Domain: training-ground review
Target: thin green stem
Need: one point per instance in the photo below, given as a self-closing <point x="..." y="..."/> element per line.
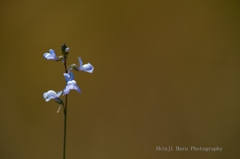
<point x="65" y="115"/>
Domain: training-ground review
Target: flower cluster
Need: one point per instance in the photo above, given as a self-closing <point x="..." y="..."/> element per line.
<point x="71" y="84"/>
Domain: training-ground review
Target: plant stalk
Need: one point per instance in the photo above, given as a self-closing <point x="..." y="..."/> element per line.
<point x="65" y="115"/>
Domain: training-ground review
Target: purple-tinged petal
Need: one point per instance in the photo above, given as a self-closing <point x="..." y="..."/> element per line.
<point x="69" y="69"/>
<point x="66" y="90"/>
<point x="48" y="99"/>
<point x="71" y="75"/>
<point x="52" y="52"/>
<point x="45" y="55"/>
<point x="59" y="93"/>
<point x="87" y="68"/>
<point x="49" y="56"/>
<point x="77" y="89"/>
<point x="72" y="82"/>
<point x="80" y="62"/>
<point x="71" y="85"/>
<point x="74" y="87"/>
<point x="45" y="95"/>
<point x="50" y="95"/>
<point x="67" y="76"/>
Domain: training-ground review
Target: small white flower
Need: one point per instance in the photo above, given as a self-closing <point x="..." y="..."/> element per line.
<point x="71" y="83"/>
<point x="83" y="67"/>
<point x="55" y="96"/>
<point x="50" y="55"/>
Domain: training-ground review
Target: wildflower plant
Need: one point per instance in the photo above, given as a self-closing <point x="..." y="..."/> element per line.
<point x="71" y="84"/>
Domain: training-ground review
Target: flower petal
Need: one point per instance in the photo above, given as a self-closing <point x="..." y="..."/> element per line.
<point x="52" y="52"/>
<point x="49" y="56"/>
<point x="77" y="89"/>
<point x="45" y="55"/>
<point x="45" y="95"/>
<point x="59" y="93"/>
<point x="66" y="90"/>
<point x="80" y="61"/>
<point x="48" y="99"/>
<point x="67" y="76"/>
<point x="70" y="68"/>
<point x="71" y="85"/>
<point x="71" y="75"/>
<point x="74" y="87"/>
<point x="87" y="68"/>
<point x="51" y="93"/>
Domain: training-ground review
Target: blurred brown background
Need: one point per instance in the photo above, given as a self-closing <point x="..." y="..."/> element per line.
<point x="167" y="73"/>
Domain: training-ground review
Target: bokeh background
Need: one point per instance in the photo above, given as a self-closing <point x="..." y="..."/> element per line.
<point x="167" y="73"/>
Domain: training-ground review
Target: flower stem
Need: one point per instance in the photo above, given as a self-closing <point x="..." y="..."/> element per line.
<point x="65" y="127"/>
<point x="65" y="115"/>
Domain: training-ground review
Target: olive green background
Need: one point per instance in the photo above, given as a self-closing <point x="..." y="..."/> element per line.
<point x="167" y="73"/>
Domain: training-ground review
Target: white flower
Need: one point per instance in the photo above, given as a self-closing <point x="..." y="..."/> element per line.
<point x="71" y="83"/>
<point x="55" y="96"/>
<point x="83" y="67"/>
<point x="50" y="55"/>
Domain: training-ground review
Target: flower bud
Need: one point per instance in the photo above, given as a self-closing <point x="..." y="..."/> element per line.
<point x="65" y="50"/>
